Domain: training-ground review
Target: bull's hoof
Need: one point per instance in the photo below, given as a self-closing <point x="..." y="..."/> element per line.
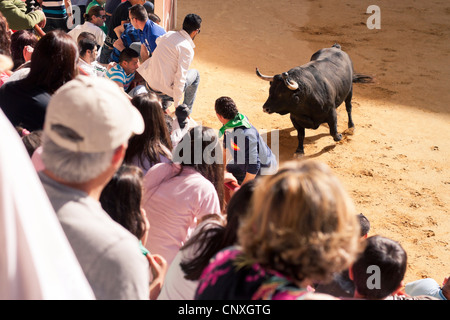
<point x="298" y="155"/>
<point x="349" y="131"/>
<point x="337" y="137"/>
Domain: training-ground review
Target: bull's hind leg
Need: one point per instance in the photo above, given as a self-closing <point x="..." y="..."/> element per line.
<point x="348" y="107"/>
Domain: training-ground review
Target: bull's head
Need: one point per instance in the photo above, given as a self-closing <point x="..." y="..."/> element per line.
<point x="283" y="93"/>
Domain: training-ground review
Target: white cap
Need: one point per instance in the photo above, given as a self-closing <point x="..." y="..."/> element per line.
<point x="91" y="114"/>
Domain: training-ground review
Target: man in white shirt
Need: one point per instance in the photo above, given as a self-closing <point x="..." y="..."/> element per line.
<point x="94" y="20"/>
<point x="87" y="60"/>
<point x="167" y="71"/>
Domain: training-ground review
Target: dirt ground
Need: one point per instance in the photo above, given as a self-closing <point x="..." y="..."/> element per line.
<point x="396" y="165"/>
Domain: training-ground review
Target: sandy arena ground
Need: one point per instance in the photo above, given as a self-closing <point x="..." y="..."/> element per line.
<point x="396" y="165"/>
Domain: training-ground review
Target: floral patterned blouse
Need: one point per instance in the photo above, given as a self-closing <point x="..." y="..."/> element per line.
<point x="228" y="278"/>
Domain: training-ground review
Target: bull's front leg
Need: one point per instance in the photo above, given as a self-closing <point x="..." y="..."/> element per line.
<point x="332" y="124"/>
<point x="300" y="136"/>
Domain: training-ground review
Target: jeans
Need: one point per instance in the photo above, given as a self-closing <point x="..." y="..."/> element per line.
<point x="190" y="91"/>
<point x="190" y="88"/>
<point x="105" y="54"/>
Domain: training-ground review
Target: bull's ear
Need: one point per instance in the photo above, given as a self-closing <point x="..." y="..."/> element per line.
<point x="271" y="82"/>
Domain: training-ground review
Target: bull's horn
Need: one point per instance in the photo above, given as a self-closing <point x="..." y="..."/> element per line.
<point x="289" y="83"/>
<point x="267" y="78"/>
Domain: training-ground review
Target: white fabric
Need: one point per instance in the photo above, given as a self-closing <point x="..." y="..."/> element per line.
<point x="88" y="27"/>
<point x="18" y="75"/>
<point x="176" y="286"/>
<point x="36" y="260"/>
<point x="94" y="69"/>
<point x="167" y="69"/>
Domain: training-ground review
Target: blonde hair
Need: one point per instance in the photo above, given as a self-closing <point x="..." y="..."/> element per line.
<point x="302" y="223"/>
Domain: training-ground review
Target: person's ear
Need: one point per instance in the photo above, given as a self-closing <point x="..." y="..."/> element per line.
<point x="119" y="155"/>
<point x="398" y="290"/>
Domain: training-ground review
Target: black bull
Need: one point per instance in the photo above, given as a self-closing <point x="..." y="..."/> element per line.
<point x="312" y="92"/>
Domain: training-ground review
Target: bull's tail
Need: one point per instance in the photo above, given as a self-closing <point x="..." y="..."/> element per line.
<point x="362" y="78"/>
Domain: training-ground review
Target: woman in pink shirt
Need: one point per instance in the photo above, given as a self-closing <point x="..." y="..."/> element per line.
<point x="177" y="195"/>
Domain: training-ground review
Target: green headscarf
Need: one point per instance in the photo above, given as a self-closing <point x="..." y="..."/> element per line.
<point x="238" y="121"/>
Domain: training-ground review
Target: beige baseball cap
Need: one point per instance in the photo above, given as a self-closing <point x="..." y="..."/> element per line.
<point x="91" y="114"/>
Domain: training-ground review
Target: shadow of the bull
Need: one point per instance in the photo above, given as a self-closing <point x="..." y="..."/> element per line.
<point x="287" y="143"/>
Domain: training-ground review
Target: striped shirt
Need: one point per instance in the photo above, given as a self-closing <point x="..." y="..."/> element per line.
<point x="119" y="75"/>
<point x="54" y="9"/>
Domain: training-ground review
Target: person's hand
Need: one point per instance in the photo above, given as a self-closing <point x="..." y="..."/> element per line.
<point x="110" y="65"/>
<point x="158" y="266"/>
<point x="43" y="21"/>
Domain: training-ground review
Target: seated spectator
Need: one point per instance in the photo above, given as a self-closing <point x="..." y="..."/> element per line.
<point x="301" y="228"/>
<point x="148" y="30"/>
<point x="88" y="124"/>
<point x="124" y="72"/>
<point x="429" y="287"/>
<point x="15" y="12"/>
<point x="100" y="3"/>
<point x="153" y="145"/>
<point x="128" y="36"/>
<point x="342" y="286"/>
<point x="86" y="62"/>
<point x="22" y="47"/>
<point x="94" y="19"/>
<point x="379" y="271"/>
<point x="178" y="195"/>
<point x="121" y="199"/>
<point x="211" y="236"/>
<point x="25" y="101"/>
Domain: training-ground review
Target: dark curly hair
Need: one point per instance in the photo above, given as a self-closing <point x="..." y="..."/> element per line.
<point x="226" y="108"/>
